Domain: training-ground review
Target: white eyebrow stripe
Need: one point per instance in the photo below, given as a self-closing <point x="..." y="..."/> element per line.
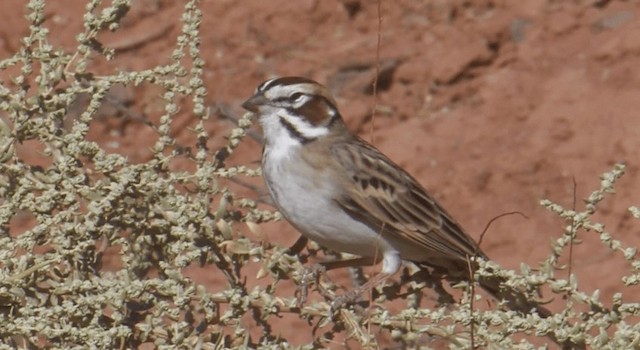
<point x="284" y="91"/>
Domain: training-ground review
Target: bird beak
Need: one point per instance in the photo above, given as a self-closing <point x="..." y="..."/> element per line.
<point x="253" y="104"/>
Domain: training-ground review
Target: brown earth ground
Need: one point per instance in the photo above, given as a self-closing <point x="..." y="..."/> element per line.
<point x="492" y="105"/>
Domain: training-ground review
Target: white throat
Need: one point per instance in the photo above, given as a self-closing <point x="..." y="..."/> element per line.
<point x="278" y="142"/>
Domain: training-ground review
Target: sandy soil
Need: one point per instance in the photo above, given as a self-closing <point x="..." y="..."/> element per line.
<point x="492" y="105"/>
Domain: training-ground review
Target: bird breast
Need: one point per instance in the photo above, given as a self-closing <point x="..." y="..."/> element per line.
<point x="304" y="193"/>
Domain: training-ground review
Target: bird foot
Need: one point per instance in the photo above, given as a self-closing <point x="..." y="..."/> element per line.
<point x="310" y="275"/>
<point x="341" y="301"/>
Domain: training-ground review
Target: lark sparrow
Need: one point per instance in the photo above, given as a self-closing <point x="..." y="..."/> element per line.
<point x="344" y="194"/>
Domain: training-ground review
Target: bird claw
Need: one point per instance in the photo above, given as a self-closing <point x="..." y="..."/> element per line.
<point x="338" y="302"/>
<point x="311" y="274"/>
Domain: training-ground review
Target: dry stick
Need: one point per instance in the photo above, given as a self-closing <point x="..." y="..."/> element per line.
<point x="486" y="228"/>
<point x="371" y="290"/>
<point x="553" y="337"/>
<point x="375" y="78"/>
<point x="136" y="40"/>
<point x="472" y="291"/>
<point x="373" y="117"/>
<point x="573" y="207"/>
<point x="223" y="112"/>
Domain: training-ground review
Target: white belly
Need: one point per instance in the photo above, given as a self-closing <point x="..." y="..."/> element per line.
<point x="305" y="197"/>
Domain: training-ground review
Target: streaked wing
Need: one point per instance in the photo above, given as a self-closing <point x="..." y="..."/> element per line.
<point x="392" y="202"/>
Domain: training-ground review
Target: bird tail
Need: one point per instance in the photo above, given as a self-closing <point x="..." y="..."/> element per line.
<point x="515" y="299"/>
<point x="495" y="285"/>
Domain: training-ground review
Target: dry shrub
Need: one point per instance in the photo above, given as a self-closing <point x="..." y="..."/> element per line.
<point x="85" y="201"/>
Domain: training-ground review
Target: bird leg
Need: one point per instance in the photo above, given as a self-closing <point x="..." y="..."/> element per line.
<point x="311" y="273"/>
<point x="297" y="247"/>
<point x="352" y="296"/>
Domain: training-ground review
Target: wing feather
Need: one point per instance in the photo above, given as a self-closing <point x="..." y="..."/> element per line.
<point x="392" y="202"/>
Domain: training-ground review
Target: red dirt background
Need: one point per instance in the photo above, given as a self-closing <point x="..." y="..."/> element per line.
<point x="491" y="105"/>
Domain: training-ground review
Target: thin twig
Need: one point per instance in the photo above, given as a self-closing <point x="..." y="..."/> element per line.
<point x="486" y="228"/>
<point x="375" y="78"/>
<point x="472" y="290"/>
<point x="223" y="112"/>
<point x="571" y="240"/>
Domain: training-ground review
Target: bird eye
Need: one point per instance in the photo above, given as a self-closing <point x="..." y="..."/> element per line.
<point x="296" y="96"/>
